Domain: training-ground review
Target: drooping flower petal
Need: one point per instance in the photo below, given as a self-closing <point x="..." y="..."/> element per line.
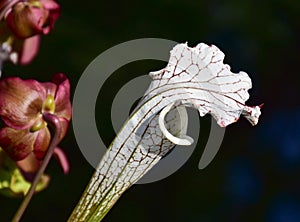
<point x="62" y="159"/>
<point x="62" y="97"/>
<point x="41" y="143"/>
<point x="29" y="49"/>
<point x="64" y="127"/>
<point x="18" y="144"/>
<point x="20" y="101"/>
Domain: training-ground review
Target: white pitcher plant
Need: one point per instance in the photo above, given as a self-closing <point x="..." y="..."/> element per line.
<point x="194" y="77"/>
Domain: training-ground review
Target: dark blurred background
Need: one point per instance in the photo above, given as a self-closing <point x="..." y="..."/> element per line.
<point x="254" y="177"/>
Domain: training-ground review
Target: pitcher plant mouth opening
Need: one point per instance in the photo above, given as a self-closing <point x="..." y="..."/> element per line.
<point x="194" y="77"/>
<point x="184" y="140"/>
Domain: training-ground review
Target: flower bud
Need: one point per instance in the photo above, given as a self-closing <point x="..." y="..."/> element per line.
<point x="33" y="17"/>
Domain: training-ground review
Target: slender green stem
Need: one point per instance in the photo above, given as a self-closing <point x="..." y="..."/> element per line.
<point x="54" y="121"/>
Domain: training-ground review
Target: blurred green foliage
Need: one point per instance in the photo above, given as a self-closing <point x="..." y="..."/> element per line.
<point x="12" y="183"/>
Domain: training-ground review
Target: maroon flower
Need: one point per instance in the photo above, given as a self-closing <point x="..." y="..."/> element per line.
<point x="22" y="22"/>
<point x="25" y="136"/>
<point x="32" y="17"/>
